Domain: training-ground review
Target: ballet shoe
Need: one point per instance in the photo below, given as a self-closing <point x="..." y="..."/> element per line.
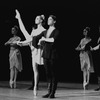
<point x="14" y="85"/>
<point x="35" y="91"/>
<point x="11" y="84"/>
<point x="84" y="85"/>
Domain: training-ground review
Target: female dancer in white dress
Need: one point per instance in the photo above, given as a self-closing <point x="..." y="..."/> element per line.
<point x="15" y="58"/>
<point x="36" y="52"/>
<point x="85" y="58"/>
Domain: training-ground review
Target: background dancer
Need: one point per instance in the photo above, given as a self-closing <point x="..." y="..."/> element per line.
<point x="85" y="57"/>
<point x="14" y="57"/>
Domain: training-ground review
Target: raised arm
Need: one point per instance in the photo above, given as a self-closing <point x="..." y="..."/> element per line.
<point x="21" y="25"/>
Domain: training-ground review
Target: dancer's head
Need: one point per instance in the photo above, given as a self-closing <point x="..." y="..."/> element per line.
<point x="51" y="20"/>
<point x="85" y="31"/>
<point x="40" y="19"/>
<point x="14" y="30"/>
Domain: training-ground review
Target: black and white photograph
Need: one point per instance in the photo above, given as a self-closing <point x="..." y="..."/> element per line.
<point x="50" y="50"/>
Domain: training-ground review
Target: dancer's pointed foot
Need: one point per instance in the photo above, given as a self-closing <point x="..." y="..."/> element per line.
<point x="84" y="85"/>
<point x="11" y="84"/>
<point x="35" y="91"/>
<point x="14" y="85"/>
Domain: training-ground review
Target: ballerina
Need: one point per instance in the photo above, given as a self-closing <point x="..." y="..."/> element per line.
<point x="85" y="58"/>
<point x="31" y="40"/>
<point x="14" y="57"/>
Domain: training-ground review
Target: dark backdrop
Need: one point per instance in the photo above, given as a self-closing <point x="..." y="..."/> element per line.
<point x="72" y="18"/>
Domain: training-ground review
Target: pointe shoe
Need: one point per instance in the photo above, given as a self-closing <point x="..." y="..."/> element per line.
<point x="11" y="84"/>
<point x="84" y="85"/>
<point x="14" y="85"/>
<point x="35" y="92"/>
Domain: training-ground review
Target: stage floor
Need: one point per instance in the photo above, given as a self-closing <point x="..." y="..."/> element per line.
<point x="65" y="91"/>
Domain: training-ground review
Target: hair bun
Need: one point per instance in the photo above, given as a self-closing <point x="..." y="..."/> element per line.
<point x="87" y="28"/>
<point x="43" y="17"/>
<point x="16" y="27"/>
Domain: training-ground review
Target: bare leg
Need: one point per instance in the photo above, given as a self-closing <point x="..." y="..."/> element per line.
<point x="11" y="77"/>
<point x="84" y="79"/>
<point x="36" y="77"/>
<point x="88" y="77"/>
<point x="15" y="77"/>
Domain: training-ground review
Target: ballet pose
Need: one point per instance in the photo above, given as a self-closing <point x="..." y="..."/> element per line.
<point x="32" y="41"/>
<point x="85" y="58"/>
<point x="14" y="57"/>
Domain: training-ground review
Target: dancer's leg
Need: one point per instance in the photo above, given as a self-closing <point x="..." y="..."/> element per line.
<point x="15" y="76"/>
<point x="84" y="79"/>
<point x="88" y="77"/>
<point x="36" y="77"/>
<point x="11" y="77"/>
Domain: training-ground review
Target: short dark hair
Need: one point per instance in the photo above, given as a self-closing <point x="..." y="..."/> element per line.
<point x="54" y="17"/>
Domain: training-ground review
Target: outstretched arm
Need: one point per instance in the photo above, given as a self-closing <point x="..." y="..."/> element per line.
<point x="96" y="47"/>
<point x="46" y="39"/>
<point x="23" y="43"/>
<point x="21" y="25"/>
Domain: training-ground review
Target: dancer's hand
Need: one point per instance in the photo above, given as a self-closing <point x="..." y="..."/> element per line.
<point x="42" y="39"/>
<point x="91" y="48"/>
<point x="77" y="48"/>
<point x="5" y="43"/>
<point x="17" y="14"/>
<point x="19" y="43"/>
